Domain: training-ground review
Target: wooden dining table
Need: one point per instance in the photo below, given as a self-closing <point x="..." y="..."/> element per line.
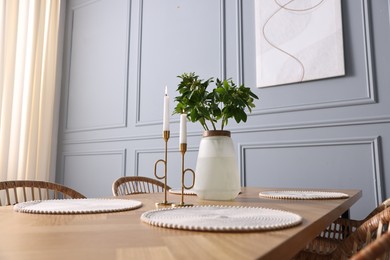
<point x="122" y="235"/>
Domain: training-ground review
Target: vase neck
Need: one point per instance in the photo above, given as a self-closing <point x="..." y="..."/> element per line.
<point x="216" y="133"/>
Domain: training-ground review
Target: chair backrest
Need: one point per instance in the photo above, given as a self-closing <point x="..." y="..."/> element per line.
<point x="342" y="228"/>
<point x="136" y="184"/>
<point x="368" y="232"/>
<point x="378" y="209"/>
<point x="378" y="249"/>
<point x="12" y="192"/>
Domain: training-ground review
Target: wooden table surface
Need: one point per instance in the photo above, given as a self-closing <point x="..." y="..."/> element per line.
<point x="122" y="235"/>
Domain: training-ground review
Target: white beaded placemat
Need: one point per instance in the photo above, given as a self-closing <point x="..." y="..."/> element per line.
<point x="303" y="195"/>
<point x="178" y="192"/>
<point x="76" y="206"/>
<point x="221" y="218"/>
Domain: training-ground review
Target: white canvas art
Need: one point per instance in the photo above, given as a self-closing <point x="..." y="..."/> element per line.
<point x="298" y="40"/>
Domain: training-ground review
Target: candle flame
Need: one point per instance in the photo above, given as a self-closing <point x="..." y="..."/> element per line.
<point x="166" y="90"/>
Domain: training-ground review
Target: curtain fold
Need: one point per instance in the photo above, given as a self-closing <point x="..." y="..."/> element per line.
<point x="29" y="33"/>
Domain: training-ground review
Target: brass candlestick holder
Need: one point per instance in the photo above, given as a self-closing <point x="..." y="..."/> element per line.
<point x="183" y="149"/>
<point x="166" y="135"/>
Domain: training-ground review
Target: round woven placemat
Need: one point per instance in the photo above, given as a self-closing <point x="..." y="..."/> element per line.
<point x="76" y="206"/>
<point x="303" y="195"/>
<point x="221" y="218"/>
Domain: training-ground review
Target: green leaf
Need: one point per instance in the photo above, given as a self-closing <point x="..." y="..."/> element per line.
<point x="226" y="100"/>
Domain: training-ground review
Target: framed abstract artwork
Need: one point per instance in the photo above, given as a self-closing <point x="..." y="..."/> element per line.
<point x="298" y="40"/>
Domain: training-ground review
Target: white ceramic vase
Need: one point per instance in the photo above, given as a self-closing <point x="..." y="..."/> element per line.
<point x="217" y="175"/>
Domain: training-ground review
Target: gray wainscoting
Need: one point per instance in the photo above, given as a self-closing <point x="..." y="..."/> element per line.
<point x="119" y="56"/>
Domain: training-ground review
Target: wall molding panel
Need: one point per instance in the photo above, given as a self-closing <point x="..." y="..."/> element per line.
<point x="249" y="129"/>
<point x="372" y="143"/>
<point x="120" y="153"/>
<point x="93" y="172"/>
<point x="85" y="112"/>
<point x="141" y="87"/>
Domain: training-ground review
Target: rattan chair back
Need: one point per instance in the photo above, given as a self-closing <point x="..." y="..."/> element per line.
<point x="345" y="237"/>
<point x="379" y="249"/>
<point x="365" y="234"/>
<point x="12" y="192"/>
<point x="340" y="229"/>
<point x="136" y="184"/>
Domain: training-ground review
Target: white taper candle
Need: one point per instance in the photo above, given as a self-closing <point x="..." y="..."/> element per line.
<point x="183" y="128"/>
<point x="166" y="111"/>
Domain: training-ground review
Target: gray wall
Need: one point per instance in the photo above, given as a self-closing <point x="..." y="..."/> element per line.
<point x="119" y="55"/>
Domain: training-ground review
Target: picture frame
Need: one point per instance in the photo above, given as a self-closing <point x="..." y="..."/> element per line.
<point x="298" y="40"/>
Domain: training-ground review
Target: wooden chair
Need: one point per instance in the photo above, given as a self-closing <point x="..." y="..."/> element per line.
<point x="136" y="184"/>
<point x="370" y="231"/>
<point x="340" y="229"/>
<point x="12" y="192"/>
<point x="379" y="249"/>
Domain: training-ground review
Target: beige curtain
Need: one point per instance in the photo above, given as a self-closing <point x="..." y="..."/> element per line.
<point x="29" y="32"/>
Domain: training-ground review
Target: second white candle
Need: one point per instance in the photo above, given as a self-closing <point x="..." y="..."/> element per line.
<point x="183" y="128"/>
<point x="166" y="111"/>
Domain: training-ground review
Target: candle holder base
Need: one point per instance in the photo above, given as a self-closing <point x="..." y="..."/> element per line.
<point x="178" y="205"/>
<point x="163" y="204"/>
